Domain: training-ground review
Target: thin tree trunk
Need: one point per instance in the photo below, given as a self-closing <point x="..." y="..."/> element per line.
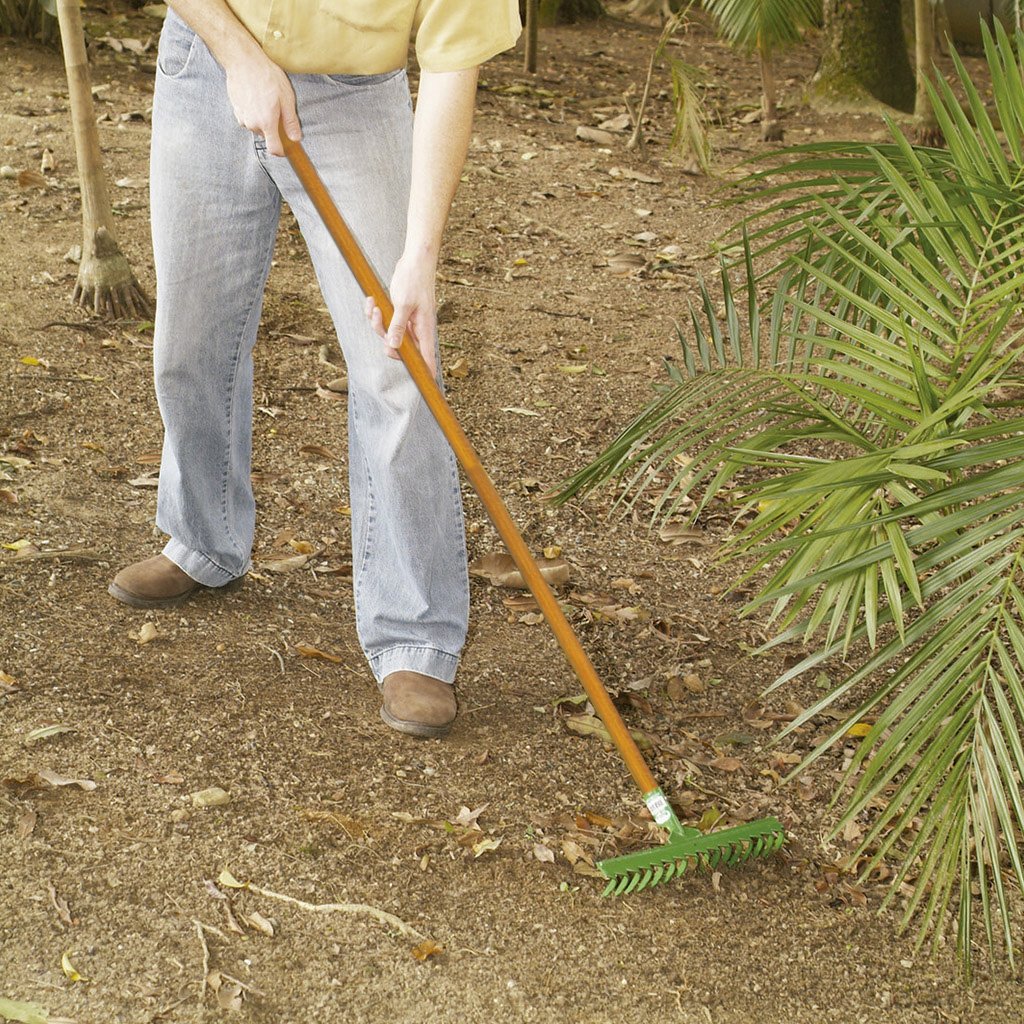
<point x="105" y="280"/>
<point x="928" y="131"/>
<point x="771" y="130"/>
<point x="530" y="51"/>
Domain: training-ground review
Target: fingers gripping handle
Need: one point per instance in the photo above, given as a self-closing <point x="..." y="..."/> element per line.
<point x="464" y="452"/>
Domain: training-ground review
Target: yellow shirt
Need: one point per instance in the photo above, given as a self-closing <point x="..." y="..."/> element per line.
<point x="369" y="37"/>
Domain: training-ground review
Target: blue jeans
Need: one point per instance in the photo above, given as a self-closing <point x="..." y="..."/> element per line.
<point x="216" y="197"/>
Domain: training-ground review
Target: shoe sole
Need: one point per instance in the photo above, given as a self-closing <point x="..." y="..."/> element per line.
<point x="420" y="729"/>
<point x="127" y="597"/>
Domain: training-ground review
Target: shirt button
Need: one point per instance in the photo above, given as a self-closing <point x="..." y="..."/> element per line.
<point x="277" y="35"/>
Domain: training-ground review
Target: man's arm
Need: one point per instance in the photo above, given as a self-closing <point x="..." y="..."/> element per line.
<point x="444" y="120"/>
<point x="259" y="91"/>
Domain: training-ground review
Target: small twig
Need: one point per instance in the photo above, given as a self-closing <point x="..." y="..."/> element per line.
<point x="167" y="1009"/>
<point x="555" y="312"/>
<point x="637" y="138"/>
<point x="344" y="908"/>
<point x="276" y="654"/>
<point x="242" y="984"/>
<point x="75" y="325"/>
<point x="206" y="959"/>
<point x="72" y="554"/>
<point x="480" y="707"/>
<point x="635" y="117"/>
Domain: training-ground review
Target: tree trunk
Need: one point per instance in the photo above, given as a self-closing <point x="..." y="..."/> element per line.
<point x="105" y="280"/>
<point x="928" y="131"/>
<point x="530" y="48"/>
<point x="865" y="62"/>
<point x="771" y="130"/>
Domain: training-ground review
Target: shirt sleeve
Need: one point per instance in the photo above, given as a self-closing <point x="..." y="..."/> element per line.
<point x="452" y="35"/>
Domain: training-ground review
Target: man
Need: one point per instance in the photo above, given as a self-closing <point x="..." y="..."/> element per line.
<point x="333" y="73"/>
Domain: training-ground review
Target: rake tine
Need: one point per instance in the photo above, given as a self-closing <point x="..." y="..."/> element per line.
<point x="634" y="881"/>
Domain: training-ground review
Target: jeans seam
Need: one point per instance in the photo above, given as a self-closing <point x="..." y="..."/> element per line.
<point x="226" y="473"/>
<point x="364" y="554"/>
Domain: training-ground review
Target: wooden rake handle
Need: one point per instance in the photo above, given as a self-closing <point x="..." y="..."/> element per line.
<point x="423" y="376"/>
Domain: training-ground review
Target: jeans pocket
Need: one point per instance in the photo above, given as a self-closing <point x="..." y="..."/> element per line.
<point x="177" y="43"/>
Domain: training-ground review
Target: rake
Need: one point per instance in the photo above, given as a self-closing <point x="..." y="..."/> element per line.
<point x="685" y="847"/>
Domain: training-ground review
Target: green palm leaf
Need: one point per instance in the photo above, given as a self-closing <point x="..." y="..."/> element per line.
<point x="890" y="351"/>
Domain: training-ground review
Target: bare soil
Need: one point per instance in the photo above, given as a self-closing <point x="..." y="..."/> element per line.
<point x="551" y="344"/>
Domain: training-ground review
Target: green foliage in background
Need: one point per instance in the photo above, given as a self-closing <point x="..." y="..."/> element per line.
<point x="868" y="425"/>
<point x="764" y="25"/>
<point x="29" y="18"/>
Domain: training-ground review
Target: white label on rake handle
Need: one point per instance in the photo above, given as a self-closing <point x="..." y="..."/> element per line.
<point x="658" y="806"/>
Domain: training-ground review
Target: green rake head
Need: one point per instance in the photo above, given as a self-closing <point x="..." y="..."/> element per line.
<point x="690" y="848"/>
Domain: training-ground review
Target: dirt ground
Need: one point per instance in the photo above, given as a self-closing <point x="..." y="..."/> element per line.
<point x="482" y="844"/>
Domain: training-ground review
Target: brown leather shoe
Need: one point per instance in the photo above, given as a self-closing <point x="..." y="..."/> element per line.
<point x="418" y="705"/>
<point x="154" y="583"/>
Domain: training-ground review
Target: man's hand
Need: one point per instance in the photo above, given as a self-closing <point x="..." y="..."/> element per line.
<point x="261" y="97"/>
<point x="259" y="91"/>
<point x="412" y="295"/>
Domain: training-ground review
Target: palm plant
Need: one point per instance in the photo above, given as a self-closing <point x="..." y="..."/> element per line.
<point x="869" y="425"/>
<point x="764" y="26"/>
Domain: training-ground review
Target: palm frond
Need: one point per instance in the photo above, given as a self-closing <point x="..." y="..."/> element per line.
<point x="864" y="428"/>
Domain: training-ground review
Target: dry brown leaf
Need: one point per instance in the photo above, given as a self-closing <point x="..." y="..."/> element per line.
<point x="467" y="818"/>
<point x="485" y="846"/>
<point x="169" y="779"/>
<point x="8" y="497"/>
<point x="50" y="778"/>
<point x="573" y="852"/>
<point x="285" y="564"/>
<point x="682" y="533"/>
<point x="306" y="651"/>
<point x="24" y="821"/>
<point x="631" y="175"/>
<point x="587" y="134"/>
<point x="426" y="949"/>
<point x="626" y="263"/>
<point x="46" y="731"/>
<point x="230" y="994"/>
<point x="499" y="569"/>
<point x="591" y="725"/>
<point x="259" y="923"/>
<point x="31" y="179"/>
<point x="60" y="905"/>
<point x="459" y="369"/>
<point x="726" y="764"/>
<point x="543" y="853"/>
<point x="335" y="390"/>
<point x="45" y="779"/>
<point x="319" y="449"/>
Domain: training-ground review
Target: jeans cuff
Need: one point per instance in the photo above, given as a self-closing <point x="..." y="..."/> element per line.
<point x="198" y="566"/>
<point x="428" y="661"/>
